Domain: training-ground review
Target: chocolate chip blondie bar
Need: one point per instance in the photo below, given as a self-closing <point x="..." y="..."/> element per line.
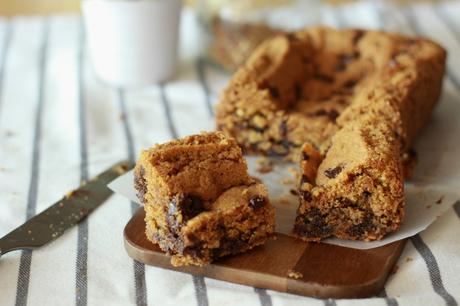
<point x="294" y="87"/>
<point x="347" y="104"/>
<point x="200" y="202"/>
<point x="357" y="192"/>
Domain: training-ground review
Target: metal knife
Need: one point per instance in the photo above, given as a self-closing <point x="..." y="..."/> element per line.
<point x="65" y="213"/>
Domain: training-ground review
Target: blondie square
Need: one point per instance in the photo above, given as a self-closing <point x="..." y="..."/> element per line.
<point x="199" y="200"/>
<point x="357" y="192"/>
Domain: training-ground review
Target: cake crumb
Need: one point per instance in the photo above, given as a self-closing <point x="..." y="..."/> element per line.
<point x="9" y="133"/>
<point x="294" y="274"/>
<point x="439" y="201"/>
<point x="294" y="192"/>
<point x="428" y="206"/>
<point x="265" y="165"/>
<point x="409" y="259"/>
<point x="287" y="181"/>
<point x="69" y="194"/>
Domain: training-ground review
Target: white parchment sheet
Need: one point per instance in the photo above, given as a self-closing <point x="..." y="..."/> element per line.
<point x="433" y="190"/>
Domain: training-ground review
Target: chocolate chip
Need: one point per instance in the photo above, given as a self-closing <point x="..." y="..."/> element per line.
<point x="306" y="195"/>
<point x="367" y="194"/>
<point x="298" y="91"/>
<point x="188" y="206"/>
<point x="360" y="229"/>
<point x="320" y="112"/>
<point x="303" y="180"/>
<point x="324" y="78"/>
<point x="333" y="172"/>
<point x="191" y="206"/>
<point x="345" y="59"/>
<point x="333" y="114"/>
<point x="350" y="83"/>
<point x="305" y="156"/>
<point x="274" y="92"/>
<point x="357" y="36"/>
<point x="291" y="37"/>
<point x="259" y="129"/>
<point x="294" y="192"/>
<point x="140" y="183"/>
<point x="285" y="143"/>
<point x="345" y="202"/>
<point x="257" y="202"/>
<point x="312" y="224"/>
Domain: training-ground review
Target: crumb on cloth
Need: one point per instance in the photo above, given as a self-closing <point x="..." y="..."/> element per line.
<point x="439" y="201"/>
<point x="265" y="165"/>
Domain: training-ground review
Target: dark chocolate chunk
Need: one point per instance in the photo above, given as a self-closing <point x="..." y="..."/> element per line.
<point x="188" y="206"/>
<point x="298" y="91"/>
<point x="345" y="202"/>
<point x="333" y="172"/>
<point x="230" y="246"/>
<point x="257" y="202"/>
<point x="333" y="114"/>
<point x="306" y="195"/>
<point x="360" y="229"/>
<point x="358" y="35"/>
<point x="303" y="180"/>
<point x="305" y="156"/>
<point x="140" y="184"/>
<point x="274" y="92"/>
<point x="350" y="83"/>
<point x="191" y="206"/>
<point x="324" y="78"/>
<point x="320" y="112"/>
<point x="367" y="194"/>
<point x="312" y="224"/>
<point x="259" y="129"/>
<point x="345" y="59"/>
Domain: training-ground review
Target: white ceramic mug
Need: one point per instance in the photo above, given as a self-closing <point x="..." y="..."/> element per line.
<point x="132" y="43"/>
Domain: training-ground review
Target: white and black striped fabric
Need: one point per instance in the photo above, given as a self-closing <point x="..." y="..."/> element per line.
<point x="60" y="125"/>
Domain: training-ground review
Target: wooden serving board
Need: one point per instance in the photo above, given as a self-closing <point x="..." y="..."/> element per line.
<point x="324" y="270"/>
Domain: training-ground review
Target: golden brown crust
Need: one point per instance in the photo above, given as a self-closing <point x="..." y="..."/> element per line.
<point x="200" y="202"/>
<point x="328" y="71"/>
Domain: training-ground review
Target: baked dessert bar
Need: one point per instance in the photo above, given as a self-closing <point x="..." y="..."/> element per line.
<point x="347" y="104"/>
<point x="199" y="201"/>
<point x="357" y="192"/>
<point x="294" y="88"/>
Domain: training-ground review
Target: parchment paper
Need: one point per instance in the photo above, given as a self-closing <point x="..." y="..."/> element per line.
<point x="433" y="190"/>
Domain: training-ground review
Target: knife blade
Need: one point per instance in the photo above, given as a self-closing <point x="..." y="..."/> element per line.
<point x="65" y="213"/>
